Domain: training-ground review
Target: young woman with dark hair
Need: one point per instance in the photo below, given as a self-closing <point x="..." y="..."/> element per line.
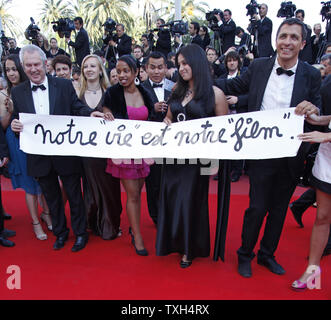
<point x="15" y="75"/>
<point x="129" y="100"/>
<point x="183" y="220"/>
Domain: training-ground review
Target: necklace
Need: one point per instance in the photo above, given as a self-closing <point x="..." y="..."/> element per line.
<point x="93" y="91"/>
<point x="188" y="93"/>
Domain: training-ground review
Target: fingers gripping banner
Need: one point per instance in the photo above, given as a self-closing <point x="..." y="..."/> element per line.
<point x="255" y="135"/>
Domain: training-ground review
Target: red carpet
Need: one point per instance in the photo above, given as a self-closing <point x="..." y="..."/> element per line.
<point x="112" y="270"/>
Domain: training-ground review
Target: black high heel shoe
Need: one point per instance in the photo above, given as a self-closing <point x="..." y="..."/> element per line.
<point x="142" y="252"/>
<point x="185" y="264"/>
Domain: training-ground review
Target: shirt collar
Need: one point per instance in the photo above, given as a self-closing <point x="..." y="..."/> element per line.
<point x="277" y="65"/>
<point x="162" y="82"/>
<point x="45" y="83"/>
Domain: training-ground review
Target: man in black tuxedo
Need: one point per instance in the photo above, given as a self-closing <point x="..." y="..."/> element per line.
<point x="264" y="32"/>
<point x="156" y="68"/>
<point x="193" y="30"/>
<point x="4" y="154"/>
<point x="13" y="48"/>
<point x="273" y="181"/>
<point x="306" y="54"/>
<point x="227" y="30"/>
<point x="47" y="95"/>
<point x="82" y="43"/>
<point x="121" y="42"/>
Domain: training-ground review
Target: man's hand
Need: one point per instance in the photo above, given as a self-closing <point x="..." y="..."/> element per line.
<point x="112" y="43"/>
<point x="232" y="99"/>
<point x="16" y="125"/>
<point x="160" y="106"/>
<point x="218" y="17"/>
<point x="306" y="108"/>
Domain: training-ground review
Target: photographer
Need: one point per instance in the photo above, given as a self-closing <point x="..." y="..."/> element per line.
<point x="194" y="29"/>
<point x="204" y="35"/>
<point x="245" y="38"/>
<point x="316" y="41"/>
<point x="55" y="50"/>
<point x="145" y="45"/>
<point x="163" y="42"/>
<point x="13" y="48"/>
<point x="264" y="32"/>
<point x="121" y="42"/>
<point x="306" y="54"/>
<point x="82" y="43"/>
<point x="227" y="29"/>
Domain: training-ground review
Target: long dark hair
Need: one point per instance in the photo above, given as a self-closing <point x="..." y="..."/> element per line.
<point x="15" y="58"/>
<point x="196" y="58"/>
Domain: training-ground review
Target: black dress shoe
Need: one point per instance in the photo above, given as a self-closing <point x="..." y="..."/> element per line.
<point x="245" y="269"/>
<point x="60" y="242"/>
<point x="5" y="242"/>
<point x="185" y="264"/>
<point x="271" y="264"/>
<point x="6" y="216"/>
<point x="8" y="233"/>
<point x="80" y="243"/>
<point x="297" y="215"/>
<point x="235" y="177"/>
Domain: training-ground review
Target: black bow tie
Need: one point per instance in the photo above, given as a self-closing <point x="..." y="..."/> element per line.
<point x="157" y="85"/>
<point x="35" y="88"/>
<point x="280" y="71"/>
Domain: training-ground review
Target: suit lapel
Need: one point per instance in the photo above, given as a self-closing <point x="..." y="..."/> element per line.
<point x="52" y="94"/>
<point x="167" y="94"/>
<point x="262" y="78"/>
<point x="151" y="90"/>
<point x="28" y="98"/>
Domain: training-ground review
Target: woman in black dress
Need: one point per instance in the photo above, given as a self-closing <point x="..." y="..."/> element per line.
<point x="183" y="220"/>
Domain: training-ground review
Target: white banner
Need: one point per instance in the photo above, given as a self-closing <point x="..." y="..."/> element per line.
<point x="255" y="135"/>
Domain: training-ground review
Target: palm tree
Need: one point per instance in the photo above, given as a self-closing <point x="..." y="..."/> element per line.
<point x="98" y="11"/>
<point x="10" y="24"/>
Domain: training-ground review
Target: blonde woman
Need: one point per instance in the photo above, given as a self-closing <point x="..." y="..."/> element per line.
<point x="102" y="194"/>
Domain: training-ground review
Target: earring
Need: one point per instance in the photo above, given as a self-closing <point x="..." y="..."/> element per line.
<point x="137" y="81"/>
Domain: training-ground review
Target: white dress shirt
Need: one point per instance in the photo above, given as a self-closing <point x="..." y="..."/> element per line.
<point x="41" y="98"/>
<point x="278" y="93"/>
<point x="158" y="91"/>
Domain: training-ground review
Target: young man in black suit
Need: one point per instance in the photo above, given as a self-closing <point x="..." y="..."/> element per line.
<point x="194" y="33"/>
<point x="306" y="54"/>
<point x="121" y="42"/>
<point x="272" y="182"/>
<point x="82" y="43"/>
<point x="47" y="95"/>
<point x="156" y="68"/>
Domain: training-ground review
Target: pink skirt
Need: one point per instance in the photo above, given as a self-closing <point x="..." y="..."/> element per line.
<point x="128" y="168"/>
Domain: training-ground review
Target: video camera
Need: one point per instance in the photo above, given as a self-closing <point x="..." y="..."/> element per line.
<point x="176" y="27"/>
<point x="110" y="27"/>
<point x="212" y="20"/>
<point x="63" y="27"/>
<point x="287" y="10"/>
<point x="326" y="10"/>
<point x="31" y="31"/>
<point x="252" y="8"/>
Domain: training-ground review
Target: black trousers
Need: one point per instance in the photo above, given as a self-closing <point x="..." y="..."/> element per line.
<point x="153" y="183"/>
<point x="1" y="213"/>
<point x="50" y="187"/>
<point x="271" y="188"/>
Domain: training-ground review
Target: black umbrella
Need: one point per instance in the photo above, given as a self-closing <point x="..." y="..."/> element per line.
<point x="223" y="204"/>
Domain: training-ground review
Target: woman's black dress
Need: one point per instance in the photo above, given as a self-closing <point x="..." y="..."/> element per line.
<point x="183" y="218"/>
<point x="102" y="196"/>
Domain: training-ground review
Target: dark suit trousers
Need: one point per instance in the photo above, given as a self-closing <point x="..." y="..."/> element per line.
<point x="271" y="188"/>
<point x="1" y="213"/>
<point x="153" y="182"/>
<point x="51" y="190"/>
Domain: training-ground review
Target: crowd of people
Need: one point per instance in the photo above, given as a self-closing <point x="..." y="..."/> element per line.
<point x="158" y="83"/>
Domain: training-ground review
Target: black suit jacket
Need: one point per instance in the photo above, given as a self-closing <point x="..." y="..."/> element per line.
<point x="227" y="32"/>
<point x="306" y="54"/>
<point x="156" y="116"/>
<point x="124" y="45"/>
<point x="114" y="100"/>
<point x="326" y="95"/>
<point x="62" y="101"/>
<point x="264" y="38"/>
<point x="81" y="45"/>
<point x="197" y="40"/>
<point x="3" y="144"/>
<point x="163" y="43"/>
<point x="254" y="80"/>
